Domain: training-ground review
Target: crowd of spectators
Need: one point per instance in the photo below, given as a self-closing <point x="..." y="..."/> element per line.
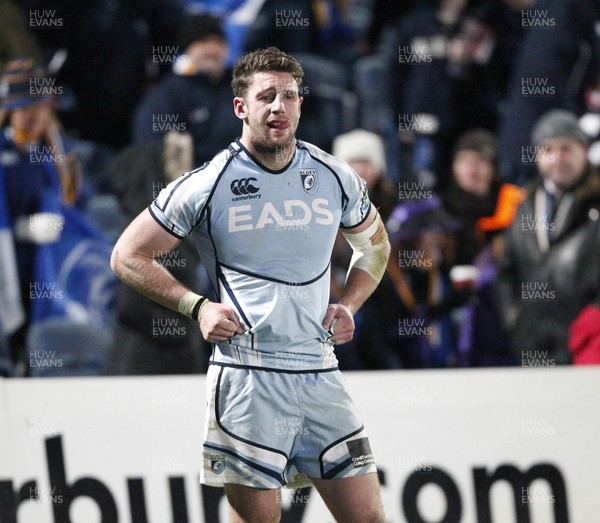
<point x="462" y="116"/>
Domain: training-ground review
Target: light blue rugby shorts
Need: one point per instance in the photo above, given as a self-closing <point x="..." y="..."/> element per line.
<point x="268" y="429"/>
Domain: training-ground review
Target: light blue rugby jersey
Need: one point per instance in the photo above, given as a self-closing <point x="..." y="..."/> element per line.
<point x="265" y="238"/>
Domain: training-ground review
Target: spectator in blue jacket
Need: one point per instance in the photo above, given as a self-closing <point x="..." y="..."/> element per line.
<point x="195" y="97"/>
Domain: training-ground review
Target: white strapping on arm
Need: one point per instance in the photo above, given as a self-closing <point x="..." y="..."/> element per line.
<point x="369" y="246"/>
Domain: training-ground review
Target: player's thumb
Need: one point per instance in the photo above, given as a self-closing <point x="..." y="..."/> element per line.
<point x="230" y="314"/>
<point x="331" y="312"/>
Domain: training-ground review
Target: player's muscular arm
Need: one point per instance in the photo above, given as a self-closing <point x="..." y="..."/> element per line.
<point x="133" y="262"/>
<point x="371" y="251"/>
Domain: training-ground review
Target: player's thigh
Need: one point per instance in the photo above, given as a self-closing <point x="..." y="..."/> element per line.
<point x="354" y="499"/>
<point x="253" y="505"/>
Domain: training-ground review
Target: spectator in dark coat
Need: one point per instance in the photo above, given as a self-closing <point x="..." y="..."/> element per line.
<point x="551" y="267"/>
<point x="449" y="65"/>
<point x="195" y="97"/>
<point x="149" y="338"/>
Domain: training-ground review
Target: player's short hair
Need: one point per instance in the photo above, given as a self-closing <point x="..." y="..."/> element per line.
<point x="269" y="59"/>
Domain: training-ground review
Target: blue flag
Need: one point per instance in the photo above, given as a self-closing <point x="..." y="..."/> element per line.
<point x="72" y="276"/>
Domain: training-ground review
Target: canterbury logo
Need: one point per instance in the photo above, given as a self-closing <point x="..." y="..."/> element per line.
<point x="244" y="186"/>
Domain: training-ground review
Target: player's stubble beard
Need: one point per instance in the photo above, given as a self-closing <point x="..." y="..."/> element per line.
<point x="280" y="152"/>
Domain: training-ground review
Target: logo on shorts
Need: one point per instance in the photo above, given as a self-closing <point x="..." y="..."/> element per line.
<point x="217" y="464"/>
<point x="309" y="180"/>
<point x="360" y="452"/>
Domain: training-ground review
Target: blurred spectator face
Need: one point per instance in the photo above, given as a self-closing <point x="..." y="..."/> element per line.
<point x="473" y="172"/>
<point x="564" y="161"/>
<point x="30" y="122"/>
<point x="435" y="246"/>
<point x="208" y="56"/>
<point x="366" y="170"/>
<point x="453" y="6"/>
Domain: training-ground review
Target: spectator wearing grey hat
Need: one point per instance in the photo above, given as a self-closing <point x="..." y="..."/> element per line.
<point x="551" y="266"/>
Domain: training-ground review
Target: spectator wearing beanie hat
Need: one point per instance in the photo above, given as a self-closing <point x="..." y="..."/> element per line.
<point x="550" y="270"/>
<point x="195" y="97"/>
<point x="364" y="152"/>
<point x="476" y="195"/>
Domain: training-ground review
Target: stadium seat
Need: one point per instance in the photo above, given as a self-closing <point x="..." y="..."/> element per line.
<point x="62" y="347"/>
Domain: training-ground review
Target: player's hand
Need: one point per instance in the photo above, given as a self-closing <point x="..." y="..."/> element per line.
<point x="339" y="322"/>
<point x="219" y="322"/>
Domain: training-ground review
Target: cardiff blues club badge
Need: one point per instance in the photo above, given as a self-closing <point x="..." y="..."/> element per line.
<point x="310" y="181"/>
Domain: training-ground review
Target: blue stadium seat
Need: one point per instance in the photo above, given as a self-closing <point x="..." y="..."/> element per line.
<point x="62" y="347"/>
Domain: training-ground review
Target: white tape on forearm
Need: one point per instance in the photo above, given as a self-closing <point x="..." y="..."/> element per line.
<point x="188" y="302"/>
<point x="370" y="252"/>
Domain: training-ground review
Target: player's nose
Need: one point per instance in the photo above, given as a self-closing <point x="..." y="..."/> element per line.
<point x="278" y="106"/>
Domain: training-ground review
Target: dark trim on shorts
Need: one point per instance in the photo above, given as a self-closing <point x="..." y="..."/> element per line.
<point x="231" y="434"/>
<point x="269" y="369"/>
<point x="275" y="475"/>
<point x="335" y="470"/>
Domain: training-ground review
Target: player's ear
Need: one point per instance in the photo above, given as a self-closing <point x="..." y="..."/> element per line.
<point x="239" y="107"/>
